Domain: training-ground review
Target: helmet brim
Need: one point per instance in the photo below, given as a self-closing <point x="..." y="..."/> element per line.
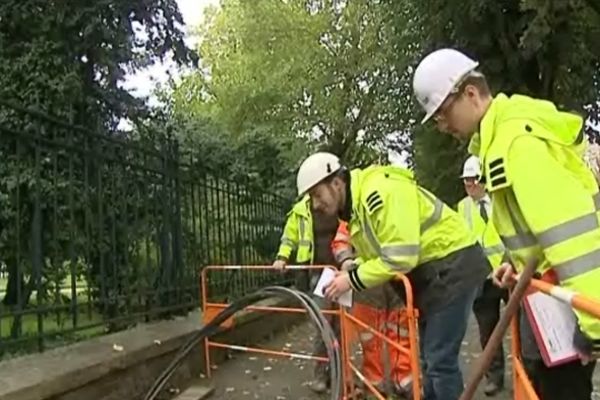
<point x="427" y="117"/>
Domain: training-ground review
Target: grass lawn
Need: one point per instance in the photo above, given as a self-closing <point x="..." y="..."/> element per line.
<point x="52" y="322"/>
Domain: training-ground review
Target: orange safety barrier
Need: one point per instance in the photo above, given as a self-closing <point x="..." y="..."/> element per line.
<point x="523" y="389"/>
<point x="351" y="323"/>
<point x="348" y="326"/>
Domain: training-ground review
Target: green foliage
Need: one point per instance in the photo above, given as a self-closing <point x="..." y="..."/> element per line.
<point x="439" y="163"/>
<point x="324" y="73"/>
<point x="69" y="58"/>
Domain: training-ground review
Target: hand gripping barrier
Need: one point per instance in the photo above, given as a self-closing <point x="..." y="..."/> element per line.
<point x="348" y="322"/>
<point x="523" y="389"/>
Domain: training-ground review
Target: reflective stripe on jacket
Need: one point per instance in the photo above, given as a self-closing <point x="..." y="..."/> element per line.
<point x="545" y="198"/>
<point x="396" y="225"/>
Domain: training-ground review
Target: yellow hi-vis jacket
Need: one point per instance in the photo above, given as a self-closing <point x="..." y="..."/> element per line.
<point x="545" y="199"/>
<point x="486" y="234"/>
<point x="397" y="225"/>
<point x="298" y="233"/>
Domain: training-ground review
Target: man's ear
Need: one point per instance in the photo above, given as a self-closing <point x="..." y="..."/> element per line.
<point x="337" y="182"/>
<point x="471" y="91"/>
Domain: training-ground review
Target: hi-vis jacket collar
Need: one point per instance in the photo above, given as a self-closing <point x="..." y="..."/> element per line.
<point x="481" y="140"/>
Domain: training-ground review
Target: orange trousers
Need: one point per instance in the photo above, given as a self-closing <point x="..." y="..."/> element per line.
<point x="377" y="355"/>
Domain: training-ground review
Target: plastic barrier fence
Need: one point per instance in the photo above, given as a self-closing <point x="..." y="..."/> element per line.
<point x="348" y="326"/>
<point x="523" y="389"/>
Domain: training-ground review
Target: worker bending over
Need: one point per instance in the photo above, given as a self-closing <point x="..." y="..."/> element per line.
<point x="383" y="309"/>
<point x="398" y="227"/>
<point x="476" y="209"/>
<point x="308" y="234"/>
<point x="545" y="199"/>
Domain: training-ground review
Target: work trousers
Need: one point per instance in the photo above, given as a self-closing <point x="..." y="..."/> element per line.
<point x="441" y="334"/>
<point x="384" y="366"/>
<point x="487" y="312"/>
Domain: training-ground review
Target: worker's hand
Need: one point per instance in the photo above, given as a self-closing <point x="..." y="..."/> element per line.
<point x="504" y="276"/>
<point x="586" y="358"/>
<point x="338" y="286"/>
<point x="585" y="347"/>
<point x="347" y="265"/>
<point x="279" y="264"/>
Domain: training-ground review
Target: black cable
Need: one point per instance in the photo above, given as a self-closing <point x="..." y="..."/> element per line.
<point x="208" y="330"/>
<point x="327" y="334"/>
<point x="313" y="310"/>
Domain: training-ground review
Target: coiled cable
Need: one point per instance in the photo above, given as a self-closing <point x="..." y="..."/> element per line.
<point x="313" y="310"/>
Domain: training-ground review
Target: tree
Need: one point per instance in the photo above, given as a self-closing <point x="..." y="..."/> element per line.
<point x="323" y="71"/>
<point x="68" y="60"/>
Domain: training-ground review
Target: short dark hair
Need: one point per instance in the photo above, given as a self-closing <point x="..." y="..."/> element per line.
<point x="478" y="80"/>
<point x="343" y="173"/>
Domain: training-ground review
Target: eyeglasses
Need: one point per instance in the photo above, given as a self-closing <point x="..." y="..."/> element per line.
<point x="446" y="107"/>
<point x="454" y="94"/>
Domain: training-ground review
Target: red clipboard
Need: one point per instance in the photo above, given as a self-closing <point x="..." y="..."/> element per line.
<point x="553" y="323"/>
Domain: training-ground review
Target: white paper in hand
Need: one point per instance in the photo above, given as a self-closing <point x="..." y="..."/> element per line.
<point x="327" y="276"/>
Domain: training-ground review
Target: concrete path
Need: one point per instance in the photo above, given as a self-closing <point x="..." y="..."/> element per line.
<point x="248" y="376"/>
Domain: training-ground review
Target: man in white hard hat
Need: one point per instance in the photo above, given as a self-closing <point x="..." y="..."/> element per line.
<point x="545" y="198"/>
<point x="476" y="209"/>
<point x="398" y="227"/>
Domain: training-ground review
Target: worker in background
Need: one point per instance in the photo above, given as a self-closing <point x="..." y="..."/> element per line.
<point x="308" y="233"/>
<point x="398" y="227"/>
<point x="381" y="308"/>
<point x="476" y="209"/>
<point x="545" y="198"/>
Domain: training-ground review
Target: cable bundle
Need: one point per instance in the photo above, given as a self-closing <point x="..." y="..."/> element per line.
<point x="314" y="313"/>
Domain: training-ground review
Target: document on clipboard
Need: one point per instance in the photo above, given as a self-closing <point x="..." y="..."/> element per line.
<point x="553" y="323"/>
<point x="327" y="276"/>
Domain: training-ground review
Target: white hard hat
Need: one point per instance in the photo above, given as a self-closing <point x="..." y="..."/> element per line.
<point x="314" y="169"/>
<point x="471" y="168"/>
<point x="437" y="75"/>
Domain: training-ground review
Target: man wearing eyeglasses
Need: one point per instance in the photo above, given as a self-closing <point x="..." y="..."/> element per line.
<point x="546" y="199"/>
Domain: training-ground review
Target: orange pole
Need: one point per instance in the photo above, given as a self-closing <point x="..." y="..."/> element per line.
<point x="204" y="308"/>
<point x="206" y="305"/>
<point x="266" y="267"/>
<point x="515" y="351"/>
<point x="575" y="299"/>
<point x="266" y="308"/>
<point x="369" y="385"/>
<point x="378" y="334"/>
<point x="414" y="352"/>
<point x="267" y="351"/>
<point x="346" y="359"/>
<point x="524" y="383"/>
